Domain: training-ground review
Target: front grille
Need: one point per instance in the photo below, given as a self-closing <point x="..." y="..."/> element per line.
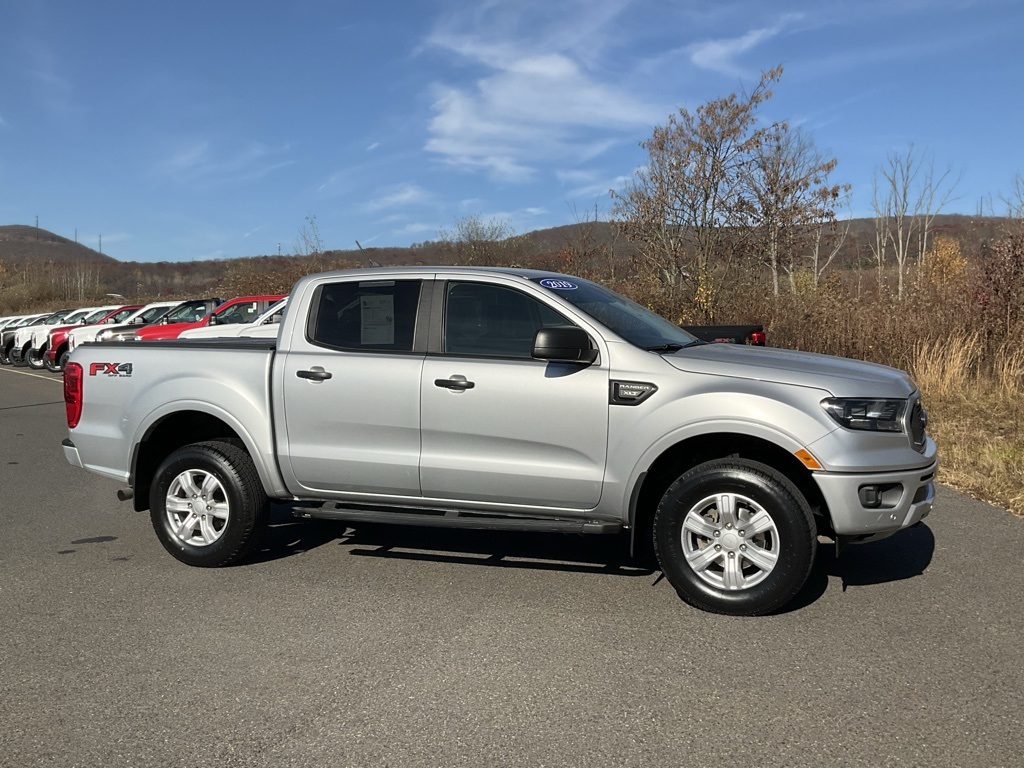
<point x="916" y="425"/>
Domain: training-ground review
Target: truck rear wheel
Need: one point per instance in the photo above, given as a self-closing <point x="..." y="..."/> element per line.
<point x="207" y="504"/>
<point x="735" y="536"/>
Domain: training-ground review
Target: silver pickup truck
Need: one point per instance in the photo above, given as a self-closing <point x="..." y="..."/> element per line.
<point x="508" y="399"/>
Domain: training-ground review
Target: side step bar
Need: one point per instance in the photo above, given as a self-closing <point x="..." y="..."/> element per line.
<point x="453" y="518"/>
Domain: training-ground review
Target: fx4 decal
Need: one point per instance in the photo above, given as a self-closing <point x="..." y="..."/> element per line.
<point x="111" y="369"/>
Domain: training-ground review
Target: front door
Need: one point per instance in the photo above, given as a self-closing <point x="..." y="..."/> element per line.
<point x="500" y="427"/>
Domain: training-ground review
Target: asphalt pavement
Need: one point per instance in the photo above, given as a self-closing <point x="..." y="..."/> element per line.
<point x="381" y="646"/>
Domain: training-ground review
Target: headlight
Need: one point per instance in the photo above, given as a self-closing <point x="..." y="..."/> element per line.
<point x="860" y="413"/>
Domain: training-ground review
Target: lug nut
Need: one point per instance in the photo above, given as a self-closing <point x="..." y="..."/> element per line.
<point x="728" y="525"/>
<point x="732" y="554"/>
<point x="718" y="533"/>
<point x="743" y="547"/>
<point x="718" y="547"/>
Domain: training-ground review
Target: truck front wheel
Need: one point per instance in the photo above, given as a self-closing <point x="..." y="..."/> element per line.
<point x="735" y="536"/>
<point x="207" y="504"/>
<point x="35" y="358"/>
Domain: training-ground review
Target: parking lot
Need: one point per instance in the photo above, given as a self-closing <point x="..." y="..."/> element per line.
<point x="378" y="646"/>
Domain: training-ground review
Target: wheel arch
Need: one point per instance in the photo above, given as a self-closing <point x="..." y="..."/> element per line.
<point x="685" y="454"/>
<point x="171" y="431"/>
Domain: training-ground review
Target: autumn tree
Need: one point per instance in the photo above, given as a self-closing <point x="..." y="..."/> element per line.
<point x="789" y="199"/>
<point x="682" y="207"/>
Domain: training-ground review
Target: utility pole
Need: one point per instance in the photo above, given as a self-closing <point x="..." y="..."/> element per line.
<point x="37" y="221"/>
<point x="278" y="249"/>
<point x="76" y="234"/>
<point x="101" y="243"/>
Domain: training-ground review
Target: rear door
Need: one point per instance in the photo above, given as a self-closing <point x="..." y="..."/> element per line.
<point x="350" y="382"/>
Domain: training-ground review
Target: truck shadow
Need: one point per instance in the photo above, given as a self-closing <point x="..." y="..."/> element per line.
<point x="287" y="536"/>
<point x="903" y="555"/>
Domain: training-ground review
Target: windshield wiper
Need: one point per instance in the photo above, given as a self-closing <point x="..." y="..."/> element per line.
<point x="674" y="346"/>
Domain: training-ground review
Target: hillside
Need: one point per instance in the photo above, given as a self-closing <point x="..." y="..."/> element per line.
<point x="21" y="244"/>
<point x="56" y="270"/>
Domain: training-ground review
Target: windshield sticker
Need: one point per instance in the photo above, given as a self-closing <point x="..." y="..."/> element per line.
<point x="378" y="319"/>
<point x="558" y="285"/>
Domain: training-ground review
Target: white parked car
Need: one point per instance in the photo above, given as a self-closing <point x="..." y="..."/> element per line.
<point x="141" y="316"/>
<point x="22" y="353"/>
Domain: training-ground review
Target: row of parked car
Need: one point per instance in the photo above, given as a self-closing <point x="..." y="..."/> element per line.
<point x="46" y="339"/>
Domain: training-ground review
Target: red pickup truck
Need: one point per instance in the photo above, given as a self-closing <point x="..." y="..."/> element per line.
<point x="242" y="309"/>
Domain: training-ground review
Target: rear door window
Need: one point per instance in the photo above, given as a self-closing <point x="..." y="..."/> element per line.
<point x="365" y="315"/>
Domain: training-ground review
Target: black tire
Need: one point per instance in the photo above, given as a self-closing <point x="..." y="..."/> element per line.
<point x="35" y="359"/>
<point x="235" y="490"/>
<point x="63" y="360"/>
<point x="57" y="364"/>
<point x="17" y="357"/>
<point x="715" y="563"/>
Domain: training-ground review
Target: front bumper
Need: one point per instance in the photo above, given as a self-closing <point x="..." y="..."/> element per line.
<point x="877" y="503"/>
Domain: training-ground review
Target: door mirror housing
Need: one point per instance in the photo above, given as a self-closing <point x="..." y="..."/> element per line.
<point x="564" y="344"/>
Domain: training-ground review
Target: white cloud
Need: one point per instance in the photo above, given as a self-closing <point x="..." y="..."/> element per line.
<point x="373" y="146"/>
<point x="416" y="228"/>
<point x="404" y="194"/>
<point x="590" y="186"/>
<point x="721" y="55"/>
<point x="198" y="163"/>
<point x="540" y="98"/>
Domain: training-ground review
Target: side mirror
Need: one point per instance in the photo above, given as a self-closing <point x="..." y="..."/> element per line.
<point x="214" y="320"/>
<point x="564" y="344"/>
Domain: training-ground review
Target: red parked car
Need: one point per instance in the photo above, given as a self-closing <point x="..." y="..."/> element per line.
<point x="57" y="351"/>
<point x="243" y="309"/>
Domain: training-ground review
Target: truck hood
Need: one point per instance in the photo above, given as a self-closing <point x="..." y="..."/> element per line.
<point x="840" y="376"/>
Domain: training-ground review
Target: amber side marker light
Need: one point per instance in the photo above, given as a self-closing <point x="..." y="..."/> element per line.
<point x="73" y="393"/>
<point x="807" y="459"/>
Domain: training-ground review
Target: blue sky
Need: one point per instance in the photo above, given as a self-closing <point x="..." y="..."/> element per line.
<point x="191" y="130"/>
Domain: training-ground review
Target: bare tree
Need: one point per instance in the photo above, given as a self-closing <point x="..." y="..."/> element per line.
<point x="309" y="242"/>
<point x="1015" y="199"/>
<point x="788" y="193"/>
<point x="483" y="243"/>
<point x="880" y="205"/>
<point x="907" y="198"/>
<point x="680" y="207"/>
<point x="827" y="240"/>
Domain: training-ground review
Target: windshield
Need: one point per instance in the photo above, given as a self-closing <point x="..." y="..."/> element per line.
<point x="626" y="318"/>
<point x="122" y="314"/>
<point x="95" y="317"/>
<point x="53" y="319"/>
<point x="77" y="315"/>
<point x="191" y="312"/>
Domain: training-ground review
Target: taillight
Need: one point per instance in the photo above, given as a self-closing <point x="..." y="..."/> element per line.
<point x="757" y="338"/>
<point x="73" y="393"/>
